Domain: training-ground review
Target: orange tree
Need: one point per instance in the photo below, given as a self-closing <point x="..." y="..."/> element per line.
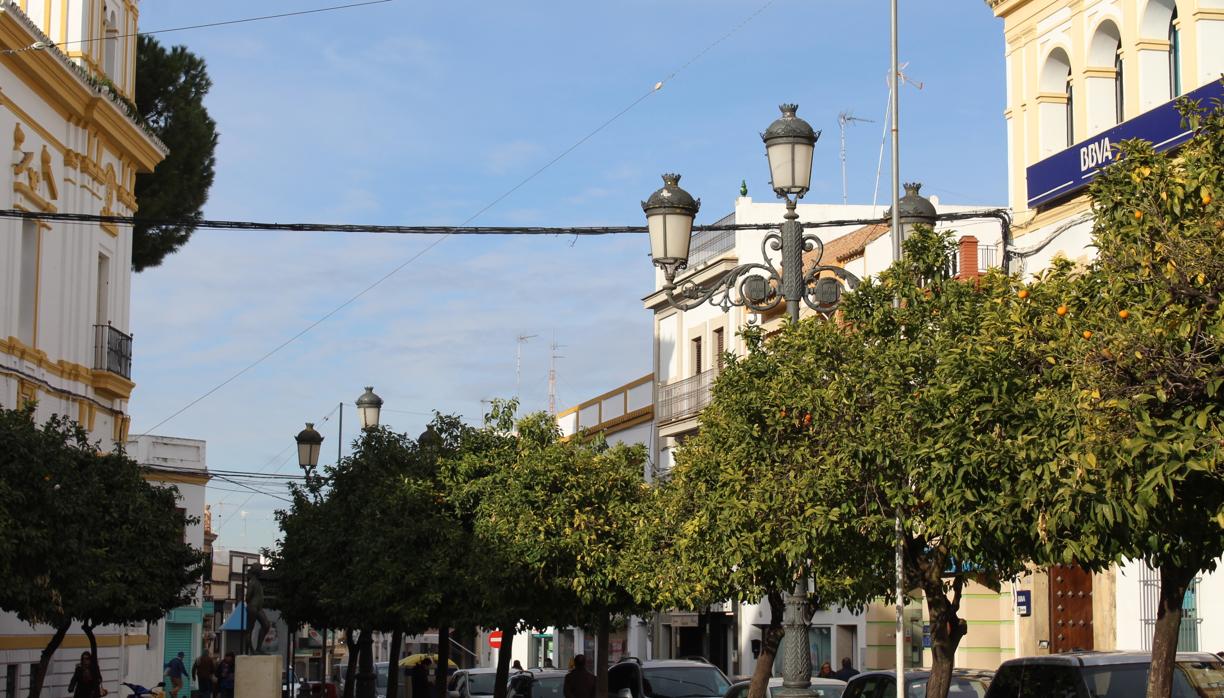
<point x="825" y="435"/>
<point x="1140" y="333"/>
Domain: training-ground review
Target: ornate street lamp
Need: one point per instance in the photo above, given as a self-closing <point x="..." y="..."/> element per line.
<point x="368" y="406"/>
<point x="913" y="209"/>
<point x="309" y="442"/>
<point x="789" y="143"/>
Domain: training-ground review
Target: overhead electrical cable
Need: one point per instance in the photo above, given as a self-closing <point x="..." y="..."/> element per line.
<point x="379" y="281"/>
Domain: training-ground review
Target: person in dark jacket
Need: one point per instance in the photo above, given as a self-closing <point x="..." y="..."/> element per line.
<point x="420" y="678"/>
<point x="86" y="681"/>
<point x="225" y="676"/>
<point x="847" y="671"/>
<point x="579" y="683"/>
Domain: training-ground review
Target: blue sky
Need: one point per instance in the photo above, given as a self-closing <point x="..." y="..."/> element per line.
<point x="423" y="113"/>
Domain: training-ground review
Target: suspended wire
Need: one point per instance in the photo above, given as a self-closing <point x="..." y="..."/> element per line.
<point x="605" y="124"/>
<point x="39" y="45"/>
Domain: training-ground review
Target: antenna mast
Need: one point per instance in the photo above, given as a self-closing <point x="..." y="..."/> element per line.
<point x="843" y="119"/>
<point x="518" y="361"/>
<point x="552" y="376"/>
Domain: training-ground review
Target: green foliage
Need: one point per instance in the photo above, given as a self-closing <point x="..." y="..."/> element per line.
<point x="87" y="538"/>
<point x="1143" y="335"/>
<point x="170" y="90"/>
<point x="382" y="511"/>
<point x="560" y="512"/>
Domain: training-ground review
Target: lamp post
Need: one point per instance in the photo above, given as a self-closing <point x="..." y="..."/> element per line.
<point x="789" y="145"/>
<point x="368" y="407"/>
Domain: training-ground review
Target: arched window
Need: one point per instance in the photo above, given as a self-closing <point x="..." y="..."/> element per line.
<point x="1174" y="57"/>
<point x="1056" y="103"/>
<point x="110" y="44"/>
<point x="1103" y="78"/>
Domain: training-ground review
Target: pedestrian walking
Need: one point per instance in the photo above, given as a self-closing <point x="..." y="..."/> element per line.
<point x="225" y="676"/>
<point x="579" y="683"/>
<point x="202" y="671"/>
<point x="175" y="671"/>
<point x="826" y="671"/>
<point x="420" y="678"/>
<point x="847" y="670"/>
<point x="86" y="680"/>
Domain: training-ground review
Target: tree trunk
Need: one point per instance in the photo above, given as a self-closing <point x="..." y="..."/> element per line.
<point x="93" y="649"/>
<point x="771" y="637"/>
<point x="440" y="673"/>
<point x="503" y="660"/>
<point x="397" y="639"/>
<point x="601" y="656"/>
<point x="350" y="683"/>
<point x="1173" y="584"/>
<point x="44" y="659"/>
<point x="946" y="633"/>
<point x="366" y="678"/>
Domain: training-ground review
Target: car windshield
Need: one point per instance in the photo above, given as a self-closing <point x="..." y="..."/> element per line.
<point x="961" y="687"/>
<point x="684" y="682"/>
<point x="482" y="683"/>
<point x="551" y="687"/>
<point x="1207" y="678"/>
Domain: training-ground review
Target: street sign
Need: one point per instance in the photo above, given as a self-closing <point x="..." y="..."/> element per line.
<point x="1024" y="603"/>
<point x="495" y="639"/>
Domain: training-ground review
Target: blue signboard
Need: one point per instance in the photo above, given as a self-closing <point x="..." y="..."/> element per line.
<point x="1074" y="168"/>
<point x="1024" y="602"/>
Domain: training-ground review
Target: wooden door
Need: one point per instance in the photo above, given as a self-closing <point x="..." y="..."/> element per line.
<point x="1070" y="608"/>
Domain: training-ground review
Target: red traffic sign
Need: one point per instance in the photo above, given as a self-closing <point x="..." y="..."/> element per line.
<point x="495" y="639"/>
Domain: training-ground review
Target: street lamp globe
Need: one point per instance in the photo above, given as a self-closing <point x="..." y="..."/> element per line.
<point x="368" y="406"/>
<point x="308" y="442"/>
<point x="913" y="209"/>
<point x="789" y="144"/>
<point x="669" y="217"/>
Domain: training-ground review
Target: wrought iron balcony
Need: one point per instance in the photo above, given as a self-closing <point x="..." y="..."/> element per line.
<point x="684" y="398"/>
<point x="112" y="351"/>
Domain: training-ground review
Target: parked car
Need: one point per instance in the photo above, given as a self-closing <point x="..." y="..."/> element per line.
<point x="471" y="683"/>
<point x="883" y="684"/>
<point x="1103" y="675"/>
<point x="666" y="678"/>
<point x="340" y="672"/>
<point x="820" y="688"/>
<point x="538" y="683"/>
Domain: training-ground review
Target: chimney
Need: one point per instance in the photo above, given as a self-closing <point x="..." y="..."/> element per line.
<point x="968" y="251"/>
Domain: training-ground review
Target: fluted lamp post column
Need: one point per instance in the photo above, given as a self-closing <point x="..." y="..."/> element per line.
<point x="760" y="286"/>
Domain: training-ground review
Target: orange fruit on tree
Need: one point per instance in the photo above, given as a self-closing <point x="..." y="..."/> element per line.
<point x="1087" y="334"/>
<point x="1138" y="215"/>
<point x="1206" y="198"/>
<point x="1124" y="313"/>
<point x="1023" y="293"/>
<point x="1062" y="310"/>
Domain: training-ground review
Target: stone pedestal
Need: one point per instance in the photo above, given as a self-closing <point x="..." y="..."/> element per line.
<point x="258" y="676"/>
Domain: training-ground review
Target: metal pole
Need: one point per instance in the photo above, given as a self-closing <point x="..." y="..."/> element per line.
<point x="797" y="660"/>
<point x="897" y="251"/>
<point x="340" y="435"/>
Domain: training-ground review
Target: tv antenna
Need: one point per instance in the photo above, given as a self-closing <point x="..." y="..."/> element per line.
<point x="901" y="78"/>
<point x="552" y="376"/>
<point x="844" y="119"/>
<point x="518" y="361"/>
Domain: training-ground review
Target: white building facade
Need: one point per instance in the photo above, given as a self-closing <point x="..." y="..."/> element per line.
<point x="72" y="147"/>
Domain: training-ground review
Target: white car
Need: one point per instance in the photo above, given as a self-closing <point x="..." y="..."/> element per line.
<point x="820" y="688"/>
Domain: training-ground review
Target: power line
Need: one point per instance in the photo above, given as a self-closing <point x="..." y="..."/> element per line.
<point x="43" y="45"/>
<point x="605" y="124"/>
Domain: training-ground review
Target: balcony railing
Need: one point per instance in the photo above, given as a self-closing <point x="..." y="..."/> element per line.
<point x="684" y="398"/>
<point x="708" y="245"/>
<point x="112" y="350"/>
<point x="988" y="256"/>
